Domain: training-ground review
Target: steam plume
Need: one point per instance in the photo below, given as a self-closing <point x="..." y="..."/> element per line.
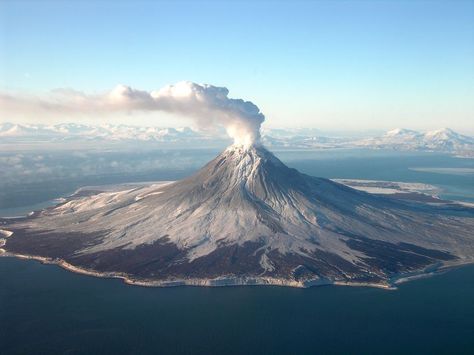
<point x="209" y="106"/>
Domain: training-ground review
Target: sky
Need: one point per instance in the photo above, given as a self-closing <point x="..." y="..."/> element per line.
<point x="332" y="65"/>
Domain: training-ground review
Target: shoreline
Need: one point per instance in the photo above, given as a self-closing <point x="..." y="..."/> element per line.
<point x="431" y="270"/>
<point x="217" y="282"/>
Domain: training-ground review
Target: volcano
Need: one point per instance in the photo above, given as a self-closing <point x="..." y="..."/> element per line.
<point x="245" y="218"/>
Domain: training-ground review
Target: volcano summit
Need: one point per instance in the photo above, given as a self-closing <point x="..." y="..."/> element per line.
<point x="246" y="218"/>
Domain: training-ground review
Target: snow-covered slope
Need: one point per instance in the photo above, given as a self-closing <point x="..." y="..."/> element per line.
<point x="247" y="215"/>
<point x="443" y="140"/>
<point x="73" y="131"/>
<point x="18" y="130"/>
<point x="447" y="139"/>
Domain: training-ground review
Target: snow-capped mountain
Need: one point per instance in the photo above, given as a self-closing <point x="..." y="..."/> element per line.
<point x="246" y="218"/>
<point x="401" y="134"/>
<point x="18" y="130"/>
<point x="73" y="131"/>
<point x="301" y="141"/>
<point x="443" y="140"/>
<point x="447" y="139"/>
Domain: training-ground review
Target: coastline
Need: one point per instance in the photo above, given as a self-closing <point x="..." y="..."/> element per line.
<point x="217" y="282"/>
<point x="431" y="270"/>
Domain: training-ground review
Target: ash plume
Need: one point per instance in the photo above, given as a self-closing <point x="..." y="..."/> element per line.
<point x="207" y="105"/>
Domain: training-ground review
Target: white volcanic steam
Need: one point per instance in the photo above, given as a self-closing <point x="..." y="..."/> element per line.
<point x="209" y="106"/>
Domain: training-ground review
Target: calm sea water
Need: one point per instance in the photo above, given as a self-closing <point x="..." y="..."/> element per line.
<point x="47" y="310"/>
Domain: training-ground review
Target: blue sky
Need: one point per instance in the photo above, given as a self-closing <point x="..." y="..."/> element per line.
<point x="330" y="65"/>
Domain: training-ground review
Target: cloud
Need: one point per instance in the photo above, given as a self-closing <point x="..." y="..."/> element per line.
<point x="209" y="106"/>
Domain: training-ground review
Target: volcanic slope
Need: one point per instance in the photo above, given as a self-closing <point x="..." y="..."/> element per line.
<point x="246" y="218"/>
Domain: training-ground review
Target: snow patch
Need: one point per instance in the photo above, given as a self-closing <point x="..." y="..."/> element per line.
<point x="266" y="263"/>
<point x="5" y="233"/>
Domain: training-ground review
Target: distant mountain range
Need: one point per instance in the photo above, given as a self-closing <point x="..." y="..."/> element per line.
<point x="69" y="131"/>
<point x="443" y="140"/>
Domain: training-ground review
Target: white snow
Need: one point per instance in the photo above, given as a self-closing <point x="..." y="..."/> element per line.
<point x="389" y="187"/>
<point x="5" y="233"/>
<point x="266" y="263"/>
<point x="441" y="140"/>
<point x="248" y="195"/>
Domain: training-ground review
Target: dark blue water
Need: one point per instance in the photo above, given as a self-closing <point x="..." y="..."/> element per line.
<point x="390" y="166"/>
<point x="47" y="310"/>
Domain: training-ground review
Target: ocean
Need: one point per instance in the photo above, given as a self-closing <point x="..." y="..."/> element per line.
<point x="47" y="310"/>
